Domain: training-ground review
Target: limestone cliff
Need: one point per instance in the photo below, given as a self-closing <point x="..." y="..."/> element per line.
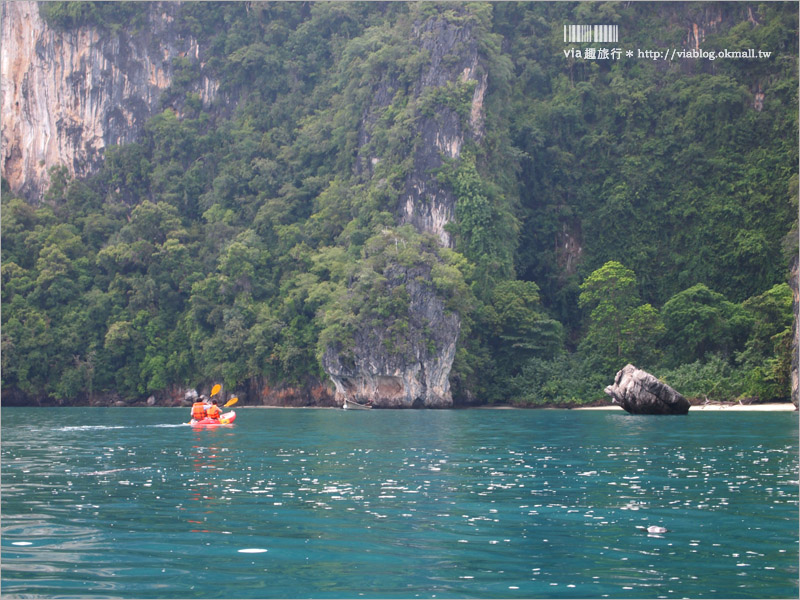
<point x="706" y="21"/>
<point x="454" y="66"/>
<point x="409" y="370"/>
<point x="427" y="204"/>
<point x="418" y="376"/>
<point x="68" y="94"/>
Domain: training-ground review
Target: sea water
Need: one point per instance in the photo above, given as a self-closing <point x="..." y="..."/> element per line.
<point x="132" y="503"/>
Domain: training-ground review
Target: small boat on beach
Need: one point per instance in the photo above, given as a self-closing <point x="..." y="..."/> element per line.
<point x="350" y="404"/>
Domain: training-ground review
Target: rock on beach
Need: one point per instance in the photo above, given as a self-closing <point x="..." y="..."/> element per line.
<point x="640" y="393"/>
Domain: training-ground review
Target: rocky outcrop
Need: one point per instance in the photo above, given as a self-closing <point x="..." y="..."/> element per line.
<point x="311" y="392"/>
<point x="411" y="372"/>
<point x="454" y="65"/>
<point x="640" y="393"/>
<point x="449" y="95"/>
<point x="706" y="22"/>
<point x="426" y="203"/>
<point x="67" y="95"/>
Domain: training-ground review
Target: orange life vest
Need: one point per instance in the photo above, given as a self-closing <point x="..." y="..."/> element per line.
<point x="198" y="411"/>
<point x="213" y="412"/>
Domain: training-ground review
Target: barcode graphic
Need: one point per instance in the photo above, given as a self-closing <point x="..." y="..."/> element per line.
<point x="578" y="34"/>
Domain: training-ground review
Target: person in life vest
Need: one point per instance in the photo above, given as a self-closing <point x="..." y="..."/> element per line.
<point x="199" y="409"/>
<point x="213" y="411"/>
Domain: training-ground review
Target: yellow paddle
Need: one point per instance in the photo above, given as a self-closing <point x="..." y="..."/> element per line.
<point x="230" y="402"/>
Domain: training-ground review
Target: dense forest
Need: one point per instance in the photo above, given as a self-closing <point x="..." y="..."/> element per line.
<point x="612" y="211"/>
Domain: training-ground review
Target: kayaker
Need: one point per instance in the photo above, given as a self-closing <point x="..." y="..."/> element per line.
<point x="213" y="411"/>
<point x="199" y="409"/>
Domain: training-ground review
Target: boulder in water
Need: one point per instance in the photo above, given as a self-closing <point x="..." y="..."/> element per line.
<point x="640" y="393"/>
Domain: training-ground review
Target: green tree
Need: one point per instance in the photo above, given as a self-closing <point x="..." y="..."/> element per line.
<point x="767" y="355"/>
<point x="520" y="328"/>
<point x="620" y="330"/>
<point x="700" y="321"/>
<point x="485" y="229"/>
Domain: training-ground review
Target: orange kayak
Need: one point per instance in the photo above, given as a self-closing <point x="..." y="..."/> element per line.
<point x="225" y="419"/>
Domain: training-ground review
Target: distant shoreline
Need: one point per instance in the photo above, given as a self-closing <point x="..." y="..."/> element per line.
<point x="773" y="406"/>
<point x="777" y="406"/>
<point x="733" y="407"/>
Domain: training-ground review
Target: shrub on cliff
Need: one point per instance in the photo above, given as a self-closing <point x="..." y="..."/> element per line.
<point x="111" y="15"/>
<point x="376" y="292"/>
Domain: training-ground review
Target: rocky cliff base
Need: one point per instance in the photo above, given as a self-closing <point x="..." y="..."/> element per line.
<point x="312" y="393"/>
<point x="403" y="360"/>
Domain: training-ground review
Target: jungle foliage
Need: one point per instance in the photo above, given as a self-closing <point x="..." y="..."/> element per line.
<point x="614" y="211"/>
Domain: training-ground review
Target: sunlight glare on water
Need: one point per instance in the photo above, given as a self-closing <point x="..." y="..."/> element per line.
<point x="321" y="503"/>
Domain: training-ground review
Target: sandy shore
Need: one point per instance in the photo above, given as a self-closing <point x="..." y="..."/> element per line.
<point x="786" y="406"/>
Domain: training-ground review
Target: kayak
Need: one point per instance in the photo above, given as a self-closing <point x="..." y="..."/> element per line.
<point x="224" y="419"/>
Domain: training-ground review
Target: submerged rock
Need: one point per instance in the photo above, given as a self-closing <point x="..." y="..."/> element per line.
<point x="640" y="393"/>
<point x="653" y="529"/>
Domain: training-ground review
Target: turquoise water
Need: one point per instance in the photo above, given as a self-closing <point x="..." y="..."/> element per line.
<point x="327" y="504"/>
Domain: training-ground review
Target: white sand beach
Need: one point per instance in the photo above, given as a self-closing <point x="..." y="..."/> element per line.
<point x="783" y="406"/>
